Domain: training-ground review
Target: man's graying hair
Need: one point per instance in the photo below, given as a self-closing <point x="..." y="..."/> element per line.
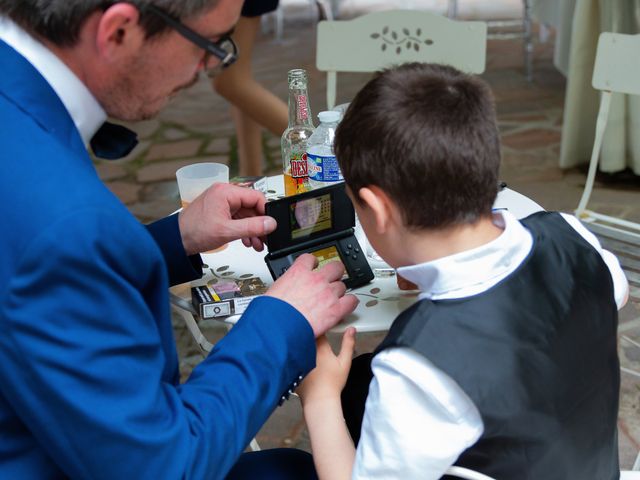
<point x="60" y="21"/>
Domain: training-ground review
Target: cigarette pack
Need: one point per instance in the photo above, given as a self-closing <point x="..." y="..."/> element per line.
<point x="257" y="183"/>
<point x="226" y="297"/>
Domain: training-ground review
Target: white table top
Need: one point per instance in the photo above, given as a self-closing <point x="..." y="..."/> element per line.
<point x="380" y="301"/>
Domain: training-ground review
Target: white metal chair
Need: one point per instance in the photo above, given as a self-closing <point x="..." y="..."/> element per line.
<point x="616" y="70"/>
<point x="497" y="31"/>
<point x="380" y="39"/>
<point x="187" y="312"/>
<point x="322" y="8"/>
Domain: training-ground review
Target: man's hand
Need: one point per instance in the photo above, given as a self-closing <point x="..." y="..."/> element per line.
<point x="224" y="213"/>
<point x="318" y="295"/>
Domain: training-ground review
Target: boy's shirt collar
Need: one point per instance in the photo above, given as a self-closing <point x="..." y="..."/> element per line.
<point x="473" y="271"/>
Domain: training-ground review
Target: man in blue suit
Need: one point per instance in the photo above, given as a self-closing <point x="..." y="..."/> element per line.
<point x="88" y="369"/>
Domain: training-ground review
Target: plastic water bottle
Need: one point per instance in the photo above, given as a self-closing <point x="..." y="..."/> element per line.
<point x="322" y="165"/>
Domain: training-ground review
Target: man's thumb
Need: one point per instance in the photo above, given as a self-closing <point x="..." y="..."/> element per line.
<point x="254" y="226"/>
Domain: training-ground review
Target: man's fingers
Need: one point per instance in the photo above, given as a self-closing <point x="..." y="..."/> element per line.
<point x="244" y="198"/>
<point x="338" y="287"/>
<point x="332" y="270"/>
<point x="306" y="261"/>
<point x="257" y="244"/>
<point x="345" y="306"/>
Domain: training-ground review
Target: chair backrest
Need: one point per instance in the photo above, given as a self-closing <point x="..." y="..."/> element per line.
<point x="378" y="40"/>
<point x="615" y="70"/>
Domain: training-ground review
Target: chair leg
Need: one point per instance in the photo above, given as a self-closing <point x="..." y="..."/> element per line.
<point x="325" y="12"/>
<point x="601" y="124"/>
<point x="254" y="445"/>
<point x="528" y="40"/>
<point x="452" y="9"/>
<point x="192" y="326"/>
<point x="279" y="23"/>
<point x="335" y="9"/>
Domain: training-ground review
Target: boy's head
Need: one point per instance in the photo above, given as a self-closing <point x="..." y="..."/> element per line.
<point x="426" y="136"/>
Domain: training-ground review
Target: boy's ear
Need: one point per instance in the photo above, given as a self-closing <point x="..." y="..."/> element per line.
<point x="383" y="209"/>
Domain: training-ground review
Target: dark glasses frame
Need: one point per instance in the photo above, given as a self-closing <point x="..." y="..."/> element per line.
<point x="226" y="56"/>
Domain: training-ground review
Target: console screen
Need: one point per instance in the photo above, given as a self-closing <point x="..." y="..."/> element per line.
<point x="329" y="254"/>
<point x="310" y="216"/>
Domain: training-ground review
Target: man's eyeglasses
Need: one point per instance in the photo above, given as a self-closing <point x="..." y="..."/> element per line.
<point x="218" y="55"/>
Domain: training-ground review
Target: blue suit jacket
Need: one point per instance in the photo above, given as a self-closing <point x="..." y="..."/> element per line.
<point x="88" y="366"/>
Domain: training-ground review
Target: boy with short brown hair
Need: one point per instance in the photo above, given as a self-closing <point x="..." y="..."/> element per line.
<point x="508" y="364"/>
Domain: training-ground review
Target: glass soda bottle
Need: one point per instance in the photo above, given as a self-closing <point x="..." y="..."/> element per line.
<point x="295" y="137"/>
<point x="322" y="165"/>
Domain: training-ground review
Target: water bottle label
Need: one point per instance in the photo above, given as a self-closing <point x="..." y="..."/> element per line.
<point x="323" y="168"/>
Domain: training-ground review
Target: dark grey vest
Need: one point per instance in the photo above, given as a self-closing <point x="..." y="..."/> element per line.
<point x="537" y="355"/>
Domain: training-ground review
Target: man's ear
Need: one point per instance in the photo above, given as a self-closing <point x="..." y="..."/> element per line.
<point x="118" y="32"/>
<point x="382" y="207"/>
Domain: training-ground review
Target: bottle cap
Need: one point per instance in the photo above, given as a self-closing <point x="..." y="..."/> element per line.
<point x="330" y="116"/>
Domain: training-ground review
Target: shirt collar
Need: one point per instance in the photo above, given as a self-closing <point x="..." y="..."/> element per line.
<point x="473" y="271"/>
<point x="84" y="109"/>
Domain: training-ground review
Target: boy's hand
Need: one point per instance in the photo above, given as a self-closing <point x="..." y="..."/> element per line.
<point x="327" y="380"/>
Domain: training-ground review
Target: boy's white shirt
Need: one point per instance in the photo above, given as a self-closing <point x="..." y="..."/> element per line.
<point x="417" y="419"/>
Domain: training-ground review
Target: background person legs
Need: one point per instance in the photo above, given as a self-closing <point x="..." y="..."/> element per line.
<point x="253" y="106"/>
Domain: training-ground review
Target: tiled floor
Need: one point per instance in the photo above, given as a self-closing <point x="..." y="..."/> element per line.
<point x="197" y="127"/>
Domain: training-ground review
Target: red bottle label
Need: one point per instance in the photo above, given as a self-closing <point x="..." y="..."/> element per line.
<point x="299" y="166"/>
<point x="303" y="114"/>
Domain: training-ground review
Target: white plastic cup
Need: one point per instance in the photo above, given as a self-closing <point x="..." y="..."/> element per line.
<point x="196" y="178"/>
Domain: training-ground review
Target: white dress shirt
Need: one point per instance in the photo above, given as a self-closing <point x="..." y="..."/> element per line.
<point x="86" y="112"/>
<point x="417" y="419"/>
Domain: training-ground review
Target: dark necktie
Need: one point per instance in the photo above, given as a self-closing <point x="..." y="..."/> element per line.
<point x="113" y="141"/>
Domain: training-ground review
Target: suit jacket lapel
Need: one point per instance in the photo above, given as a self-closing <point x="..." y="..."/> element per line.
<point x="23" y="85"/>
